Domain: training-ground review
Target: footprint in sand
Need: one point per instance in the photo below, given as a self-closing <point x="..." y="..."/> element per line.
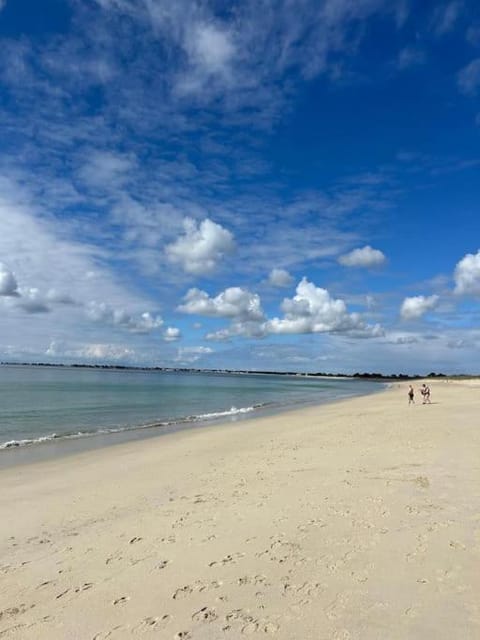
<point x="121" y="600"/>
<point x="182" y="592"/>
<point x="422" y="481"/>
<point x="153" y="624"/>
<point x="255" y="580"/>
<point x="15" y="611"/>
<point x="239" y="615"/>
<point x="198" y="586"/>
<point x="455" y="544"/>
<point x="44" y="584"/>
<point x="262" y="626"/>
<point x="134" y="540"/>
<point x="205" y="614"/>
<point x="230" y="558"/>
<point x="183" y="635"/>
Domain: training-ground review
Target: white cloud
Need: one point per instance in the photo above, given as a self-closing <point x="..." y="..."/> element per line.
<point x="201" y="247"/>
<point x="313" y="310"/>
<point x="42" y="253"/>
<point x="90" y="351"/>
<point x="364" y="257"/>
<point x="105" y="169"/>
<point x="467" y="275"/>
<point x="417" y="306"/>
<point x="244" y="328"/>
<point x="280" y="278"/>
<point x="171" y="334"/>
<point x="8" y="282"/>
<point x="32" y="301"/>
<point x="469" y="77"/>
<point x="234" y="302"/>
<point x="211" y="47"/>
<point x="104" y="352"/>
<point x="105" y="314"/>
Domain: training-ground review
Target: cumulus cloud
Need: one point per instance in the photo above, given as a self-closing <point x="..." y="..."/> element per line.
<point x="32" y="301"/>
<point x="469" y="77"/>
<point x="364" y="257"/>
<point x="8" y="282"/>
<point x="104" y="352"/>
<point x="89" y="351"/>
<point x="201" y="247"/>
<point x="280" y="278"/>
<point x="244" y="328"/>
<point x="467" y="275"/>
<point x="417" y="306"/>
<point x="171" y="334"/>
<point x="233" y="302"/>
<point x="313" y="310"/>
<point x="105" y="314"/>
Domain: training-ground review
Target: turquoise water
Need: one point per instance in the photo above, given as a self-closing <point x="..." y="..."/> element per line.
<point x="44" y="404"/>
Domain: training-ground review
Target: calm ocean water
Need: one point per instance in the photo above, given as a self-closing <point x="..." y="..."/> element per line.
<point x="43" y="404"/>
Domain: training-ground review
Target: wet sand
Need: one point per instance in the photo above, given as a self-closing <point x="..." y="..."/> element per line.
<point x="355" y="520"/>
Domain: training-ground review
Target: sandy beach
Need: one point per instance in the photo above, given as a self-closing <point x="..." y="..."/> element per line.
<point x="355" y="520"/>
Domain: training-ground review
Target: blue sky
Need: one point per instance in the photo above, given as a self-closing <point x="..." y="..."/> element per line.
<point x="247" y="185"/>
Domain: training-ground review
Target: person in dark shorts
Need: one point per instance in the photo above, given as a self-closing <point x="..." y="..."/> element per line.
<point x="411" y="395"/>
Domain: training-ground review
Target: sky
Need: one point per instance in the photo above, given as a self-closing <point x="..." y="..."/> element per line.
<point x="289" y="185"/>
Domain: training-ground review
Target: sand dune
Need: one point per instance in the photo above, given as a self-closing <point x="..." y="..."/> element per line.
<point x="357" y="520"/>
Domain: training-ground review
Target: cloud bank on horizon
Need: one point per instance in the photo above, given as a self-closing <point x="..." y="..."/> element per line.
<point x="242" y="186"/>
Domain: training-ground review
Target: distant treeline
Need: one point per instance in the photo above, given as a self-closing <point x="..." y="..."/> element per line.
<point x="364" y="375"/>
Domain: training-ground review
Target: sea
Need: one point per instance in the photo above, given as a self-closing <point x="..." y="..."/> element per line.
<point x="48" y="411"/>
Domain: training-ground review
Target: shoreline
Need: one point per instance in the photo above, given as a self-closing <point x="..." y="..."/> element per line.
<point x="54" y="447"/>
<point x="358" y="519"/>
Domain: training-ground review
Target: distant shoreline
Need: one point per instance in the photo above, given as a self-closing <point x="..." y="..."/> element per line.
<point x="363" y="376"/>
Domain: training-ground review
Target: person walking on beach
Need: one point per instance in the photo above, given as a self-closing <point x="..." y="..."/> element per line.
<point x="425" y="391"/>
<point x="411" y="395"/>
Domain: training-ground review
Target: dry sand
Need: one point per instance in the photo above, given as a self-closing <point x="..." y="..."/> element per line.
<point x="358" y="520"/>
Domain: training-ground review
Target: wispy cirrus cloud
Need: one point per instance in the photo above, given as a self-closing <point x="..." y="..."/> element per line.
<point x="445" y="17"/>
<point x="469" y="77"/>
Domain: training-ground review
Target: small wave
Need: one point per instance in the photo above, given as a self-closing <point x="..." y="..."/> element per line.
<point x="204" y="417"/>
<point x="11" y="444"/>
<point x="231" y="412"/>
